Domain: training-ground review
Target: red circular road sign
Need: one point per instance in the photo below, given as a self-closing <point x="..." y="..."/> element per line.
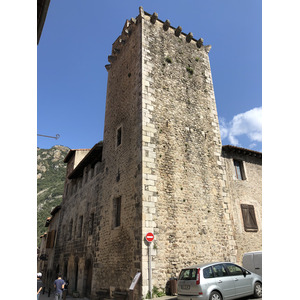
<point x="149" y="237"/>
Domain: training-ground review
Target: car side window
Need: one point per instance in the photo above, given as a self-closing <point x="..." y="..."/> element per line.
<point x="208" y="272"/>
<point x="219" y="270"/>
<point x="234" y="270"/>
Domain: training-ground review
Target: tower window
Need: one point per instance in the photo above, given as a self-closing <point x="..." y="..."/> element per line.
<point x="119" y="136"/>
<point x="239" y="169"/>
<point x="117" y="212"/>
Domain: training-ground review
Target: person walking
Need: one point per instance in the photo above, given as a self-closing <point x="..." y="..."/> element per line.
<point x="39" y="285"/>
<point x="59" y="284"/>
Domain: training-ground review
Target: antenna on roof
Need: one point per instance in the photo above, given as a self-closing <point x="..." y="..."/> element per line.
<point x="48" y="136"/>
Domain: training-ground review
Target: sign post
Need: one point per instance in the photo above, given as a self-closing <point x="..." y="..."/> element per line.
<point x="149" y="239"/>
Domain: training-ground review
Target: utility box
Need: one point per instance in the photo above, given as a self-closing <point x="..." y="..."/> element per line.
<point x="173" y="286"/>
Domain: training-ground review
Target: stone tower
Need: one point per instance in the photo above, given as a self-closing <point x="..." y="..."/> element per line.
<point x="160" y="168"/>
<point x="163" y="170"/>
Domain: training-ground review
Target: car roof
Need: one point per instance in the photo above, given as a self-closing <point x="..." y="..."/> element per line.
<point x="252" y="252"/>
<point x="206" y="264"/>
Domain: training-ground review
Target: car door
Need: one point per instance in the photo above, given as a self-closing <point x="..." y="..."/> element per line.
<point x="242" y="283"/>
<point x="187" y="282"/>
<point x="224" y="282"/>
<point x="257" y="259"/>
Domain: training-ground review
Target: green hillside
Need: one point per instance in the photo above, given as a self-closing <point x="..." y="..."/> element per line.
<point x="51" y="172"/>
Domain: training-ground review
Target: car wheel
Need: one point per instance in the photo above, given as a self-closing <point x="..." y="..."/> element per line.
<point x="258" y="290"/>
<point x="215" y="296"/>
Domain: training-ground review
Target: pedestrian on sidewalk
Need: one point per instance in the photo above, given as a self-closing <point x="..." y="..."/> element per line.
<point x="59" y="284"/>
<point x="39" y="285"/>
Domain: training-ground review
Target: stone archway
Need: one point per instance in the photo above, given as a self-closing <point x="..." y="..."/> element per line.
<point x="88" y="274"/>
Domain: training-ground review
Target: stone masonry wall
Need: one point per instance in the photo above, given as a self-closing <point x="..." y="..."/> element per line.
<point x="186" y="205"/>
<point x="120" y="247"/>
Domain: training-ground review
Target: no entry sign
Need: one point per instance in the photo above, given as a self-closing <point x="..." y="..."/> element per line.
<point x="149" y="237"/>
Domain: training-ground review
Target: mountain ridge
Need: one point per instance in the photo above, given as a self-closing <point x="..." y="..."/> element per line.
<point x="51" y="172"/>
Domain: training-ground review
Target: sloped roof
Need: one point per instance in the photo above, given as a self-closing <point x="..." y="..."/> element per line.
<point x="94" y="155"/>
<point x="48" y="221"/>
<point x="72" y="152"/>
<point x="55" y="210"/>
<point x="239" y="150"/>
<point x="42" y="10"/>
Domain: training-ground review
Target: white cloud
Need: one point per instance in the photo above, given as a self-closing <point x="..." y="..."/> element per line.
<point x="248" y="123"/>
<point x="253" y="145"/>
<point x="223" y="128"/>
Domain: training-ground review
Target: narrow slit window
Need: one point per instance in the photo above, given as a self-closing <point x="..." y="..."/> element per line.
<point x="117" y="211"/>
<point x="119" y="136"/>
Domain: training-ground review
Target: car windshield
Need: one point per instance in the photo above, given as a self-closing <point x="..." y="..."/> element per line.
<point x="188" y="274"/>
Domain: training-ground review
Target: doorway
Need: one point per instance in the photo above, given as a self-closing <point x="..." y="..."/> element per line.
<point x="88" y="274"/>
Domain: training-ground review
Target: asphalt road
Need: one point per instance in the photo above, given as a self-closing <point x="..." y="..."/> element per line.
<point x="249" y="298"/>
<point x="175" y="298"/>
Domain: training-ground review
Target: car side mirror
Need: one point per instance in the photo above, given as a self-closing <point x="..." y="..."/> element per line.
<point x="245" y="273"/>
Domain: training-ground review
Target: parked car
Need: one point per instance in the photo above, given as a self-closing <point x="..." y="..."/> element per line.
<point x="217" y="281"/>
<point x="252" y="261"/>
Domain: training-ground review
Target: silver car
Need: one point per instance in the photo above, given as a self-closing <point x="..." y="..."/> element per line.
<point x="217" y="281"/>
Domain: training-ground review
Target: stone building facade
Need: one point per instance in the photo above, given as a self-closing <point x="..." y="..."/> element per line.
<point x="46" y="263"/>
<point x="161" y="168"/>
<point x="245" y="192"/>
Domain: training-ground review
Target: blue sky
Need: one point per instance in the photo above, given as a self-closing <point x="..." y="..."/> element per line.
<point x="77" y="39"/>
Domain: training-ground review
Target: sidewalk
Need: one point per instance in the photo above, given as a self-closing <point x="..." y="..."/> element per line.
<point x="69" y="297"/>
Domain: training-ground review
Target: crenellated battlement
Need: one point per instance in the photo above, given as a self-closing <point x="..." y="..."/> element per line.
<point x="130" y="26"/>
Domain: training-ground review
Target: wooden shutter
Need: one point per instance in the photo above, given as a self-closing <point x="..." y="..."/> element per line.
<point x="53" y="238"/>
<point x="50" y="239"/>
<point x="250" y="223"/>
